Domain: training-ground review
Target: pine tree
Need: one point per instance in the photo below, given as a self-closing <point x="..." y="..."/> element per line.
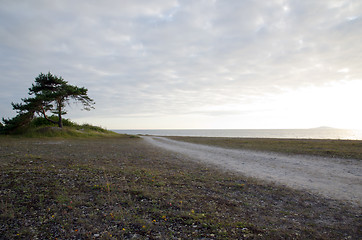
<point x="50" y="94"/>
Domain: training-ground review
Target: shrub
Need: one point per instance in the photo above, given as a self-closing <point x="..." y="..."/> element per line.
<point x="16" y="123"/>
<point x="41" y="121"/>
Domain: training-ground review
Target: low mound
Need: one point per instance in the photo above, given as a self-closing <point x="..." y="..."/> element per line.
<point x="49" y="131"/>
<point x="40" y="127"/>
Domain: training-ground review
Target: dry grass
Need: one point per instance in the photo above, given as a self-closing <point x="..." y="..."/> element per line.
<point x="122" y="188"/>
<point x="320" y="147"/>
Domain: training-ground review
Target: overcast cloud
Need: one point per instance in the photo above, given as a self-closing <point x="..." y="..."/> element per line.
<point x="146" y="61"/>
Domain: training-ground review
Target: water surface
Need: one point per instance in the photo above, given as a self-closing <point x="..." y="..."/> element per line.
<point x="314" y="133"/>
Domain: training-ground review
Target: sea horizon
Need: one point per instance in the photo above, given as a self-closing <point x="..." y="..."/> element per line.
<point x="301" y="133"/>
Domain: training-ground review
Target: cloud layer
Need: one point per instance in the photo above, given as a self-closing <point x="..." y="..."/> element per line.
<point x="158" y="58"/>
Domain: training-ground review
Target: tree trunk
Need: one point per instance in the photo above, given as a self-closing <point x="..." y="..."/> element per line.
<point x="60" y="122"/>
<point x="45" y="116"/>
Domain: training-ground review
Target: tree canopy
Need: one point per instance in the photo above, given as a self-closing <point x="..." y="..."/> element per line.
<point x="49" y="93"/>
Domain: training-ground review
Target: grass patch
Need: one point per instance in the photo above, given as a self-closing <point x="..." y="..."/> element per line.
<point x="82" y="131"/>
<point x="40" y="127"/>
<point x="123" y="188"/>
<point x="320" y="147"/>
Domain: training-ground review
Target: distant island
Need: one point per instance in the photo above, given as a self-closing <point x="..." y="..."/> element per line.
<point x="324" y="127"/>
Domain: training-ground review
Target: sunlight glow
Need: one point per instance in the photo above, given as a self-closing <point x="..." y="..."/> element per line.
<point x="333" y="105"/>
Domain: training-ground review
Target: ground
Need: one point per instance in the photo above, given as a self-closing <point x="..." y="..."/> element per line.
<point x="118" y="188"/>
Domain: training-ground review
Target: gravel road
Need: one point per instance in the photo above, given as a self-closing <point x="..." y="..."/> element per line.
<point x="333" y="178"/>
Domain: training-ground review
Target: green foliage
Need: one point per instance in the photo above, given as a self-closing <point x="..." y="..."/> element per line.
<point x="41" y="127"/>
<point x="41" y="121"/>
<point x="50" y="94"/>
<point x="53" y="93"/>
<point x="12" y="124"/>
<point x="66" y="132"/>
<point x="1" y="128"/>
<point x="53" y="90"/>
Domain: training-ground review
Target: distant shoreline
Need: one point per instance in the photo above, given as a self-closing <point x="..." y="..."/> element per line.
<point x="311" y="133"/>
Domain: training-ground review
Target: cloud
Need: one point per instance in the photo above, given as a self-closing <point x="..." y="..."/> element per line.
<point x="179" y="57"/>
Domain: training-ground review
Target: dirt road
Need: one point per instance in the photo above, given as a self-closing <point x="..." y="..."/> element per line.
<point x="333" y="178"/>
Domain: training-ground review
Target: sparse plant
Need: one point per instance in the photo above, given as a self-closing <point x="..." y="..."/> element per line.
<point x="102" y="188"/>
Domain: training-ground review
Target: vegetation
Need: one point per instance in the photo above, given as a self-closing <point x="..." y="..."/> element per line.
<point x="41" y="127"/>
<point x="319" y="147"/>
<point x="123" y="188"/>
<point x="72" y="186"/>
<point x="50" y="94"/>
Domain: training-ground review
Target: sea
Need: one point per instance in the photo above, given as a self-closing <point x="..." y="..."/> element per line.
<point x="312" y="133"/>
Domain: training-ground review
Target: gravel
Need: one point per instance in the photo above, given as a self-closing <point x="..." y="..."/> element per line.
<point x="332" y="178"/>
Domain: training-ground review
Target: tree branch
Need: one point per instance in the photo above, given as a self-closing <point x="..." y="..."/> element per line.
<point x="46" y="117"/>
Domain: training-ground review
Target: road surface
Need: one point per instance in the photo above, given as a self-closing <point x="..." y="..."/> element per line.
<point x="333" y="178"/>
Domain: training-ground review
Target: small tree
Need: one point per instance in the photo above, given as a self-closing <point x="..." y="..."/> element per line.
<point x="51" y="93"/>
<point x="54" y="93"/>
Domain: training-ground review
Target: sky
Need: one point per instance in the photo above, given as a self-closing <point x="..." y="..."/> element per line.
<point x="190" y="64"/>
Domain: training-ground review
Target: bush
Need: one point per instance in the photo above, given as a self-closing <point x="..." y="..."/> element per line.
<point x="41" y="121"/>
<point x="41" y="127"/>
<point x="14" y="124"/>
